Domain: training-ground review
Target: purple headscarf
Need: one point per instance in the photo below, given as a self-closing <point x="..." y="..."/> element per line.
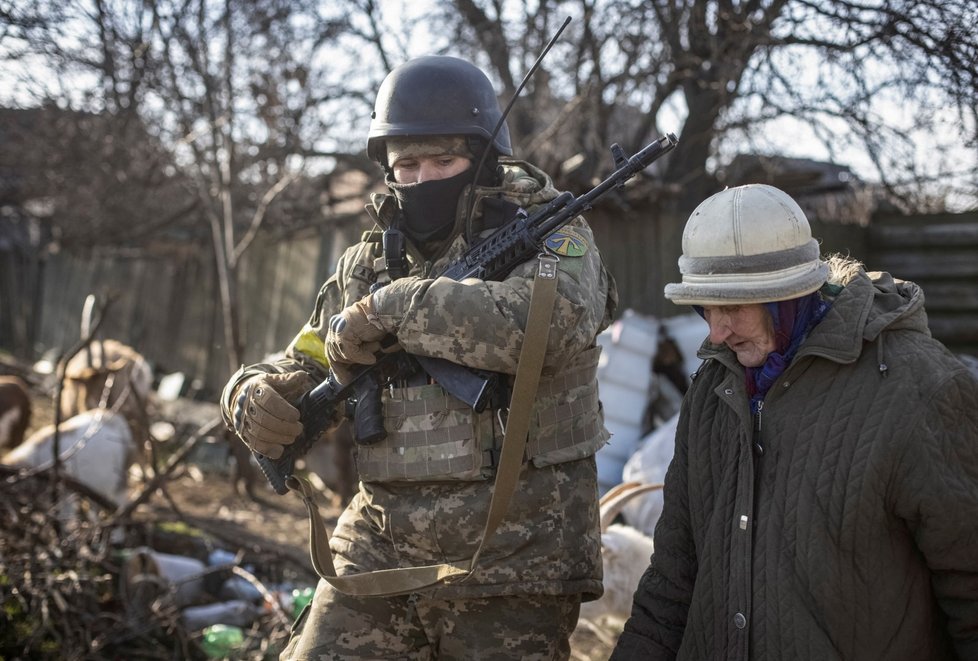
<point x="793" y="320"/>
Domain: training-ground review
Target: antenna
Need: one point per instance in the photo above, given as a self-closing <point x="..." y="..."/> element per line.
<point x="502" y="119"/>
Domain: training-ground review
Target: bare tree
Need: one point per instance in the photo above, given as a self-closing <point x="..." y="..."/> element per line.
<point x="872" y="75"/>
<point x="93" y="180"/>
<point x="85" y="157"/>
<point x="239" y="99"/>
<point x="240" y="93"/>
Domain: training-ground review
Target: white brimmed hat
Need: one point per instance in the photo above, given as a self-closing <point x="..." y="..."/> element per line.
<point x="749" y="244"/>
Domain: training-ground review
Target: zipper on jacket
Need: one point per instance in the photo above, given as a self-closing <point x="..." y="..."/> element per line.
<point x="758" y="445"/>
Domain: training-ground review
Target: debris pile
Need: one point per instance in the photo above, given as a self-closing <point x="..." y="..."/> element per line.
<point x="107" y="583"/>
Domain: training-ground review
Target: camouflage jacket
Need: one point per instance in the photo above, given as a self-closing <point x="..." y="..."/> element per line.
<point x="425" y="490"/>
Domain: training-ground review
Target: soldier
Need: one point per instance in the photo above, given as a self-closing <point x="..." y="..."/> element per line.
<point x="425" y="489"/>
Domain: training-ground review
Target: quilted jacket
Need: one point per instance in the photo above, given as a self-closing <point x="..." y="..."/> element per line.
<point x="839" y="523"/>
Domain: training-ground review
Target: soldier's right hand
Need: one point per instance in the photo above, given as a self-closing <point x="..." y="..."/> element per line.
<point x="263" y="414"/>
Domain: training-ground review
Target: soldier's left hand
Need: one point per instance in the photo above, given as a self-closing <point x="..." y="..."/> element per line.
<point x="354" y="337"/>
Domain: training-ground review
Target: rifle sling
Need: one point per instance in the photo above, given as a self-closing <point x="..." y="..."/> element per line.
<point x="405" y="580"/>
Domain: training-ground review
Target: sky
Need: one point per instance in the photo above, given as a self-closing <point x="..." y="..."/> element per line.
<point x="938" y="148"/>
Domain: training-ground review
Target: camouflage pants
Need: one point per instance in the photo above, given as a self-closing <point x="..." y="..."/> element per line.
<point x="339" y="627"/>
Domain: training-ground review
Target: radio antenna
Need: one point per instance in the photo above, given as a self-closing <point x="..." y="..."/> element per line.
<point x="502" y="120"/>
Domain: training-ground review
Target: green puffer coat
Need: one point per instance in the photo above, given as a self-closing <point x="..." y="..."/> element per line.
<point x="842" y="523"/>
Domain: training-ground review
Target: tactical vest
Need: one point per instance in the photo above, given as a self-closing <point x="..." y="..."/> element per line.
<point x="432" y="436"/>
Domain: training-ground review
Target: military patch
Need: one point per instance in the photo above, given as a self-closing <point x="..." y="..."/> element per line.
<point x="363" y="274"/>
<point x="567" y="242"/>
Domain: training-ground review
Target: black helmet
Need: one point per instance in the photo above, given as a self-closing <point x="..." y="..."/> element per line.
<point x="435" y="95"/>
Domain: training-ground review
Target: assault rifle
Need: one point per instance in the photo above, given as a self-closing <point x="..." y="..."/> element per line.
<point x="512" y="244"/>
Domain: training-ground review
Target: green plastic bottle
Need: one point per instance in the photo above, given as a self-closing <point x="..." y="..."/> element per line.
<point x="220" y="640"/>
<point x="300" y="598"/>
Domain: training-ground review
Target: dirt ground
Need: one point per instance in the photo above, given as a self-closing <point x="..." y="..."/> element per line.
<point x="211" y="502"/>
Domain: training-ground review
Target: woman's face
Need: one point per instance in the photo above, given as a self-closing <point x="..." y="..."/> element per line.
<point x="747" y="329"/>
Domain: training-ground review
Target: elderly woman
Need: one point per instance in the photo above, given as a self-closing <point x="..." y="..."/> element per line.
<point x="823" y="498"/>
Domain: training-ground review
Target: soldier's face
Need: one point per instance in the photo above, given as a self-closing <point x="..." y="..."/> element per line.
<point x="418" y="169"/>
<point x="747" y="329"/>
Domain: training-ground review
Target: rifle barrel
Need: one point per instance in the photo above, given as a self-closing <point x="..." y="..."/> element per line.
<point x="638" y="162"/>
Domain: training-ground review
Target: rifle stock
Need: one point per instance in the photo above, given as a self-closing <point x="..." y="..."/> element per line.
<point x="509" y="246"/>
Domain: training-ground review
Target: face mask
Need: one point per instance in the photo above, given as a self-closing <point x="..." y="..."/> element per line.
<point x="429" y="208"/>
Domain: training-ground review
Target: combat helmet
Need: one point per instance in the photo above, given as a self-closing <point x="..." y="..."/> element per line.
<point x="749" y="244"/>
<point x="436" y="95"/>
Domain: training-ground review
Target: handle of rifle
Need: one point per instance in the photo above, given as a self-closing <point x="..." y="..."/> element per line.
<point x="315" y="412"/>
<point x="276" y="471"/>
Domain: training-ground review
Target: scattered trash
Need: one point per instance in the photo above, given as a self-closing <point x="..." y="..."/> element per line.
<point x="237" y="612"/>
<point x="163" y="571"/>
<point x="301" y="597"/>
<point x="171" y="386"/>
<point x="220" y="640"/>
<point x="127" y="585"/>
<point x="648" y="466"/>
<point x="624" y="386"/>
<point x="239" y="588"/>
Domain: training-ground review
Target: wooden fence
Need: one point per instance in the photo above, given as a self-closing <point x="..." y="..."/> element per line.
<point x="939" y="253"/>
<point x="166" y="306"/>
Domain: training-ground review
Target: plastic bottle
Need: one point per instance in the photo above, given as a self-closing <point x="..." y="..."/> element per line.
<point x="237" y="613"/>
<point x="237" y="587"/>
<point x="220" y="640"/>
<point x="220" y="557"/>
<point x="301" y="597"/>
<point x="278" y="599"/>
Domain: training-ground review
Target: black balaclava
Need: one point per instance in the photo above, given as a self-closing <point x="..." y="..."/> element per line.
<point x="429" y="208"/>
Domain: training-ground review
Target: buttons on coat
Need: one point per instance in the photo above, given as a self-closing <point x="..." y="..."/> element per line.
<point x="740" y="621"/>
